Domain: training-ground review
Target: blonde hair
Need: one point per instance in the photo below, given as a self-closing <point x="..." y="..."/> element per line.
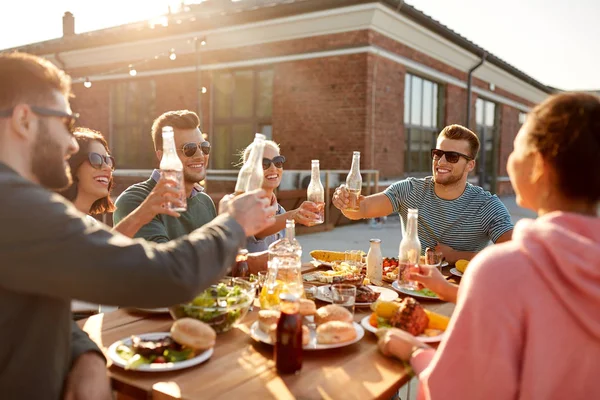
<point x="244" y="154"/>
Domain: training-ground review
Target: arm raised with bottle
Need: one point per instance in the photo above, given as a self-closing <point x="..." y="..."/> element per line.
<point x="373" y="206"/>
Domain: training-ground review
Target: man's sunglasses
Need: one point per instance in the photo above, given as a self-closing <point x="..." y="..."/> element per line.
<point x="189" y="149"/>
<point x="277" y="161"/>
<point x="96" y="160"/>
<point x="451" y="156"/>
<point x="69" y="118"/>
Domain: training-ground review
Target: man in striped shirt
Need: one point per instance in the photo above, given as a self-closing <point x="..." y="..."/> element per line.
<point x="455" y="217"/>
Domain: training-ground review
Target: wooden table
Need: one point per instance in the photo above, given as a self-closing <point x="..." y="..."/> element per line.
<point x="243" y="368"/>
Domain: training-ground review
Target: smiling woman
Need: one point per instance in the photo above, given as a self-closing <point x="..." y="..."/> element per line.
<point x="306" y="214"/>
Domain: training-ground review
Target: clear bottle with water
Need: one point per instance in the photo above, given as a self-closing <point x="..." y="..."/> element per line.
<point x="315" y="192"/>
<point x="251" y="174"/>
<point x="354" y="183"/>
<point x="409" y="252"/>
<point x="171" y="168"/>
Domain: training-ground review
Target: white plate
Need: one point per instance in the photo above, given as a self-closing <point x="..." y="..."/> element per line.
<point x="424" y="339"/>
<point x="117" y="360"/>
<point x="257" y="334"/>
<point x="324" y="294"/>
<point x="161" y="310"/>
<point x="412" y="292"/>
<point x="456" y="272"/>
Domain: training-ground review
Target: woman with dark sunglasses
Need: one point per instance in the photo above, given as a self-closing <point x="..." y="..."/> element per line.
<point x="92" y="168"/>
<point x="273" y="170"/>
<point x="526" y="324"/>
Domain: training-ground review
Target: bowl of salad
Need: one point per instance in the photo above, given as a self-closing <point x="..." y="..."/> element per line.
<point x="221" y="305"/>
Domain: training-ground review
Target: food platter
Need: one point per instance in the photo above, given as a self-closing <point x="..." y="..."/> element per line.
<point x="422" y="338"/>
<point x="421" y="294"/>
<point x="260" y="336"/>
<point x="155" y="367"/>
<point x="324" y="294"/>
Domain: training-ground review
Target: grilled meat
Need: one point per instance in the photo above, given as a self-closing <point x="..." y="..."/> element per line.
<point x="149" y="347"/>
<point x="365" y="294"/>
<point x="410" y="317"/>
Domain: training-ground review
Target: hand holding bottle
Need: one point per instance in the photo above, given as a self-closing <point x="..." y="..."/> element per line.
<point x="251" y="210"/>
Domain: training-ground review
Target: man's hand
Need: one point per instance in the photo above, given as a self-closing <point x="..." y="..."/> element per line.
<point x="251" y="210"/>
<point x="341" y="198"/>
<point x="448" y="252"/>
<point x="88" y="379"/>
<point x="397" y="343"/>
<point x="164" y="192"/>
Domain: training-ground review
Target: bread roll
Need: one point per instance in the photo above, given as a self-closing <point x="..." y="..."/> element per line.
<point x="335" y="332"/>
<point x="305" y="334"/>
<point x="307" y="307"/>
<point x="332" y="312"/>
<point x="194" y="334"/>
<point x="266" y="318"/>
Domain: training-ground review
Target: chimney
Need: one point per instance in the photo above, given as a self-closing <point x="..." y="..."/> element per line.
<point x="68" y="24"/>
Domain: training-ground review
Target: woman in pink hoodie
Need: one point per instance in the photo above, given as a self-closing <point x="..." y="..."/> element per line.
<point x="527" y="320"/>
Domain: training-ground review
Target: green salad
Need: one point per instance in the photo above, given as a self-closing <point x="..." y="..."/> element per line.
<point x="219" y="306"/>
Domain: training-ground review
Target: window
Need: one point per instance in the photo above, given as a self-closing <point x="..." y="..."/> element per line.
<point x="487" y="130"/>
<point x="132" y="108"/>
<point x="243" y="105"/>
<point x="421" y="122"/>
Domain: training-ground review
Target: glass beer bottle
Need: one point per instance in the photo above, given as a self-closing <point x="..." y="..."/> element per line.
<point x="410" y="251"/>
<point x="354" y="183"/>
<point x="375" y="261"/>
<point x="251" y="174"/>
<point x="288" y="347"/>
<point x="171" y="168"/>
<point x="315" y="191"/>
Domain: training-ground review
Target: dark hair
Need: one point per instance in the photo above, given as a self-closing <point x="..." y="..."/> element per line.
<point x="180" y="119"/>
<point x="565" y="129"/>
<point x="25" y="78"/>
<point x="85" y="137"/>
<point x="459" y="132"/>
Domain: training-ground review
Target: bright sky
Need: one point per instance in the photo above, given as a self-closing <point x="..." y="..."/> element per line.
<point x="554" y="43"/>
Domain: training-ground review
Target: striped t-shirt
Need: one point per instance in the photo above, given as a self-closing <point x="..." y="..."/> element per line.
<point x="467" y="223"/>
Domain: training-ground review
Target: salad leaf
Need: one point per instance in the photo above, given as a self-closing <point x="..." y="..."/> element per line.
<point x="136" y="361"/>
<point x="383" y="323"/>
<point x="176" y="356"/>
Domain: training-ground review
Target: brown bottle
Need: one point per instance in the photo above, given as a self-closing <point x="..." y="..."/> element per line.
<point x="288" y="348"/>
<point x="240" y="268"/>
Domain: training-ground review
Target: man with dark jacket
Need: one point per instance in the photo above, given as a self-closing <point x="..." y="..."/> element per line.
<point x="50" y="254"/>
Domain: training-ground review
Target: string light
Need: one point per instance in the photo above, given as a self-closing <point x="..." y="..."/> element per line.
<point x="133" y="72"/>
<point x="204" y="90"/>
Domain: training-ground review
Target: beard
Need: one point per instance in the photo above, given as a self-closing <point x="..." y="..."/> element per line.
<point x="449" y="179"/>
<point x="47" y="163"/>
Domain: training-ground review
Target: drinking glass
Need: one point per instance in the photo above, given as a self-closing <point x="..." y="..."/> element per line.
<point x="434" y="259"/>
<point x="262" y="278"/>
<point x="344" y="295"/>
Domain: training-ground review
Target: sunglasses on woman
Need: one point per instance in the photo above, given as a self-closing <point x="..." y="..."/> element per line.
<point x="277" y="161"/>
<point x="190" y="149"/>
<point x="96" y="160"/>
<point x="451" y="156"/>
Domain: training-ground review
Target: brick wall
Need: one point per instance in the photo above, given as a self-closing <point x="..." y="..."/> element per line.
<point x="319" y="110"/>
<point x="384" y="142"/>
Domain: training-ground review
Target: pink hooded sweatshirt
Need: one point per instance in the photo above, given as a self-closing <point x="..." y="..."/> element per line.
<point x="527" y="321"/>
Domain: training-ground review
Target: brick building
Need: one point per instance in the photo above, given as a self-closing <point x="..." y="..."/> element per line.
<point x="321" y="77"/>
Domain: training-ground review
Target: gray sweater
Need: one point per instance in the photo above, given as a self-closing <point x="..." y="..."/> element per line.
<point x="50" y="254"/>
